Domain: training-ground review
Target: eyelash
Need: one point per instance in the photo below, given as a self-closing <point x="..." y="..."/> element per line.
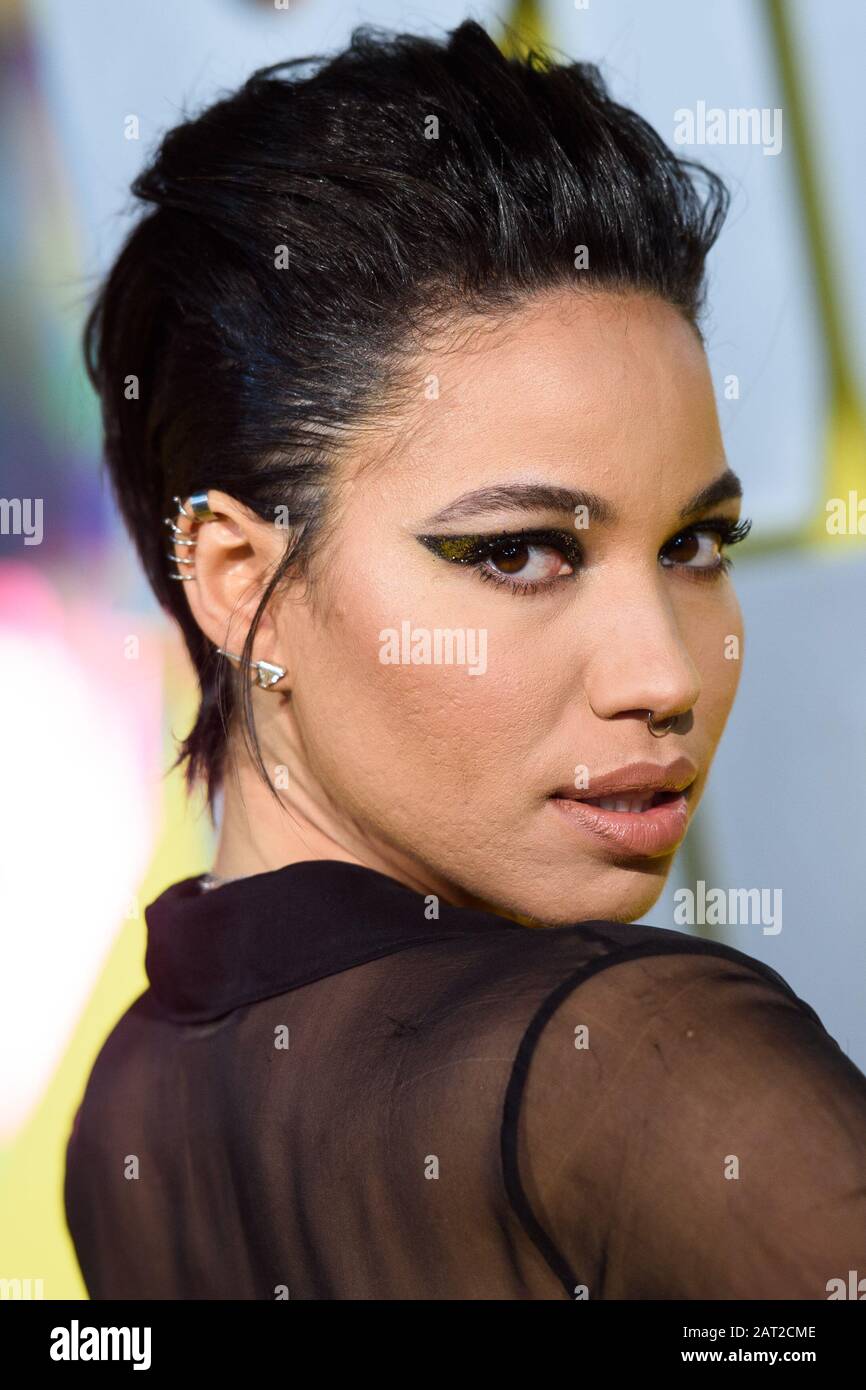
<point x="478" y="548"/>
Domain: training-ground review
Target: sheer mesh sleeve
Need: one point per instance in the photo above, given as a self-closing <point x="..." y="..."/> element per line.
<point x="690" y="1130"/>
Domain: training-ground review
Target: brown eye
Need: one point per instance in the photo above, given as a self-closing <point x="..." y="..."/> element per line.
<point x="525" y="562"/>
<point x="536" y="564"/>
<point x="511" y="558"/>
<point x="697" y="549"/>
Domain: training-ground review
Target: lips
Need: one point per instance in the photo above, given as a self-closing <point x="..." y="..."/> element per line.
<point x="642" y="810"/>
<point x="637" y="781"/>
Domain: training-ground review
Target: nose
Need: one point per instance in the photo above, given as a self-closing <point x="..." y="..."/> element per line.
<point x="640" y="661"/>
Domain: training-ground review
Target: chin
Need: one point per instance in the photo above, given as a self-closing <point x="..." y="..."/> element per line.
<point x="623" y="893"/>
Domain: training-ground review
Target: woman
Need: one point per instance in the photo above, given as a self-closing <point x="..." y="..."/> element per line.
<point x="411" y="424"/>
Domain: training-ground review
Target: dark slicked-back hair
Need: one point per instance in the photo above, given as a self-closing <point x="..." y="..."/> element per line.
<point x="306" y="229"/>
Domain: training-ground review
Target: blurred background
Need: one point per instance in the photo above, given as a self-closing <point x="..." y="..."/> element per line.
<point x="96" y="685"/>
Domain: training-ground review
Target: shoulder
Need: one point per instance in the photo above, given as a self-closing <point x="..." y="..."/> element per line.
<point x="654" y="1003"/>
<point x="674" y="1100"/>
<point x="130" y="1056"/>
<point x="630" y="972"/>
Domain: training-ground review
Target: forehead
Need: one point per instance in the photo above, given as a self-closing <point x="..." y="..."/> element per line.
<point x="575" y="385"/>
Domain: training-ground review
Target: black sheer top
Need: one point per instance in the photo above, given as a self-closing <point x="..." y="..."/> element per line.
<point x="336" y="1088"/>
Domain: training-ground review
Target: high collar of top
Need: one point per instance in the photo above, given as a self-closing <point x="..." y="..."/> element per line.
<point x="210" y="951"/>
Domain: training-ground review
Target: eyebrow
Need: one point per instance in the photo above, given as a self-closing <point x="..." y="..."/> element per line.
<point x="522" y="497"/>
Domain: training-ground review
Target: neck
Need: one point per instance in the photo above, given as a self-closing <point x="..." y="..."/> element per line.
<point x="260" y="832"/>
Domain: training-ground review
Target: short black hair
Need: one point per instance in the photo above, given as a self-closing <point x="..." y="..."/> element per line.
<point x="304" y="225"/>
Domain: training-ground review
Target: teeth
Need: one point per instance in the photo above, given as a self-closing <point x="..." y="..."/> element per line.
<point x="624" y="803"/>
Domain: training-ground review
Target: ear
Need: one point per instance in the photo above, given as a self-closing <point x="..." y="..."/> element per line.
<point x="234" y="559"/>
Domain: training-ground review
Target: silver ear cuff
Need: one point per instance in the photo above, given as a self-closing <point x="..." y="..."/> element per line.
<point x="199" y="511"/>
<point x="266" y="672"/>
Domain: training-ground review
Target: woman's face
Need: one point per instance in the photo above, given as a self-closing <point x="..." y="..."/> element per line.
<point x="443" y="694"/>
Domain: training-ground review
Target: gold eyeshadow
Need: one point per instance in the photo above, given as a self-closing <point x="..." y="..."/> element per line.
<point x="471" y="549"/>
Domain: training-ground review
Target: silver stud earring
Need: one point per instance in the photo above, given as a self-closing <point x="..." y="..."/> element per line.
<point x="266" y="672"/>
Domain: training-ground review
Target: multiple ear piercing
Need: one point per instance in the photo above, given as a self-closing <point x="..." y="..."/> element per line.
<point x="266" y="673"/>
<point x="199" y="510"/>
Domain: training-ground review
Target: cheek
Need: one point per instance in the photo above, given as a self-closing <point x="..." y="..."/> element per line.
<point x="410" y="730"/>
